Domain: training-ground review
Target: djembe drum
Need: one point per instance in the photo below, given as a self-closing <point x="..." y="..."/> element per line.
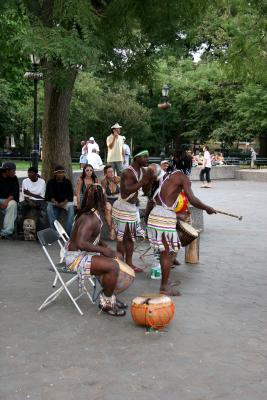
<point x="125" y="278"/>
<point x="186" y="232"/>
<point x="152" y="311"/>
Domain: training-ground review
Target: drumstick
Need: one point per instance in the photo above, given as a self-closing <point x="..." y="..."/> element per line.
<point x="240" y="217"/>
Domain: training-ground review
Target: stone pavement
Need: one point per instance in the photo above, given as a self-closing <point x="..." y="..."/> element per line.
<point x="215" y="348"/>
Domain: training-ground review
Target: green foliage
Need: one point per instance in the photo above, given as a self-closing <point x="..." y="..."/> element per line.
<point x="96" y="107"/>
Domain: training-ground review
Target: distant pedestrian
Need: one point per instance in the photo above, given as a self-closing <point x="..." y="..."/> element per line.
<point x="127" y="153"/>
<point x="205" y="171"/>
<point x="115" y="149"/>
<point x="253" y="156"/>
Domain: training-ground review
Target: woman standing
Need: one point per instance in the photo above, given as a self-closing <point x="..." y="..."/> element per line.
<point x="111" y="188"/>
<point x="87" y="178"/>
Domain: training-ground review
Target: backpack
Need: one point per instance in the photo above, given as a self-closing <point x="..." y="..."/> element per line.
<point x="29" y="229"/>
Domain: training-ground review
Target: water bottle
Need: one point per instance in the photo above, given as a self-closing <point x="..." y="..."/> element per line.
<point x="155" y="272"/>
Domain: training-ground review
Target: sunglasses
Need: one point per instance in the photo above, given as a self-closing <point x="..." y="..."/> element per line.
<point x="89" y="170"/>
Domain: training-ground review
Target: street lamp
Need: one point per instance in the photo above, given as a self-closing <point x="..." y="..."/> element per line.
<point x="164" y="106"/>
<point x="35" y="77"/>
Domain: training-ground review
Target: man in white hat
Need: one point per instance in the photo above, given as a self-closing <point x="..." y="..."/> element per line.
<point x="91" y="144"/>
<point x="115" y="149"/>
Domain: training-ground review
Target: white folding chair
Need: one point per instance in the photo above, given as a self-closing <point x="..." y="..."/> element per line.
<point x="48" y="237"/>
<point x="61" y="231"/>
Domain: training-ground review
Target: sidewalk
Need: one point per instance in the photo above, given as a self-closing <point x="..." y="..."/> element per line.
<point x="215" y="348"/>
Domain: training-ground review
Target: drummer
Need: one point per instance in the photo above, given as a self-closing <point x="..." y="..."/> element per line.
<point x="124" y="211"/>
<point x="161" y="225"/>
<point x="86" y="254"/>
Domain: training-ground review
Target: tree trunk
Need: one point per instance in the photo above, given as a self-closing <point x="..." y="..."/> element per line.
<point x="263" y="145"/>
<point x="56" y="146"/>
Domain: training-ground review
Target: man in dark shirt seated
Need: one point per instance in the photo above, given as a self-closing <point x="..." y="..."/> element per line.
<point x="9" y="197"/>
<point x="59" y="195"/>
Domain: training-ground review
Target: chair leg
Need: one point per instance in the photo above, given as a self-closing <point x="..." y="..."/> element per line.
<point x="55" y="294"/>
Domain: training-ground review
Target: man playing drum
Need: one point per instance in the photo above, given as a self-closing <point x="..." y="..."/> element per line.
<point x="86" y="254"/>
<point x="125" y="212"/>
<point x="161" y="225"/>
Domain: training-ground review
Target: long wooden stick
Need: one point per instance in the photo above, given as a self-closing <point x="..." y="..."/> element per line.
<point x="230" y="215"/>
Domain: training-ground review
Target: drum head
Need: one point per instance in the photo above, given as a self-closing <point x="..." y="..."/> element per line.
<point x="125" y="267"/>
<point x="188" y="228"/>
<point x="152" y="299"/>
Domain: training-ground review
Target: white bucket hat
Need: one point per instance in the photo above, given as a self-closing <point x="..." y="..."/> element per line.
<point x="116" y="126"/>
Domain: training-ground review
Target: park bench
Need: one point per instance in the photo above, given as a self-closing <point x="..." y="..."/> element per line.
<point x="236" y="161"/>
<point x="260" y="162"/>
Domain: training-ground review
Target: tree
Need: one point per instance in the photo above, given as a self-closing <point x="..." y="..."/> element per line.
<point x="73" y="34"/>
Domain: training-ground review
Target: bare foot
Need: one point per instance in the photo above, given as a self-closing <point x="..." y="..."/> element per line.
<point x="175" y="283"/>
<point x="170" y="291"/>
<point x="137" y="269"/>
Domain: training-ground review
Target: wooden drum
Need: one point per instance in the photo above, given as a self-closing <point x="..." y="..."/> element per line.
<point x="186" y="232"/>
<point x="125" y="278"/>
<point x="153" y="311"/>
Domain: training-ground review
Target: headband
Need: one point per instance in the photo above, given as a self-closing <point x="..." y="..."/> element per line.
<point x="142" y="153"/>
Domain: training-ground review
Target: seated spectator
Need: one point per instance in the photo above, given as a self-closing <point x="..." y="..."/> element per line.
<point x="194" y="161"/>
<point x="87" y="178"/>
<point x="111" y="184"/>
<point x="91" y="145"/>
<point x="164" y="165"/>
<point x="59" y="195"/>
<point x="184" y="161"/>
<point x="220" y="158"/>
<point x="200" y="158"/>
<point x="33" y="193"/>
<point x="9" y="197"/>
<point x="111" y="187"/>
<point x="94" y="159"/>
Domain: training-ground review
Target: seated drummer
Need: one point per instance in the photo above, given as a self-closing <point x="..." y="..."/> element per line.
<point x="87" y="254"/>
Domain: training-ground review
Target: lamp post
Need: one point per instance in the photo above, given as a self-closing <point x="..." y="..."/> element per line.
<point x="164" y="106"/>
<point x="35" y="77"/>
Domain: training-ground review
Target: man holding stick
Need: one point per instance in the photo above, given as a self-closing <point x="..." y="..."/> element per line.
<point x="161" y="223"/>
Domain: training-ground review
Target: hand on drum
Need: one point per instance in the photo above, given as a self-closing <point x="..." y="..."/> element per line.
<point x="147" y="176"/>
<point x="108" y="252"/>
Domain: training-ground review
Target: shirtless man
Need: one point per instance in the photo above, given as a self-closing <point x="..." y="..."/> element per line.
<point x="87" y="254"/>
<point x="124" y="212"/>
<point x="161" y="225"/>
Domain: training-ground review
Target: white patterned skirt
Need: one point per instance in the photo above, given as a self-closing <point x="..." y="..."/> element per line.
<point x="124" y="213"/>
<point x="163" y="221"/>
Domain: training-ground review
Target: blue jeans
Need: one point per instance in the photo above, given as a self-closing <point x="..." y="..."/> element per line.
<point x="10" y="215"/>
<point x="117" y="166"/>
<point x="53" y="213"/>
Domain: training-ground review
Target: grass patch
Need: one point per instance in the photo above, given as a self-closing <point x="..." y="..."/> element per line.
<point x="24" y="165"/>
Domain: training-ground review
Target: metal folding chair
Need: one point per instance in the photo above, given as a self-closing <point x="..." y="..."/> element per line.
<point x="48" y="237"/>
<point x="61" y="231"/>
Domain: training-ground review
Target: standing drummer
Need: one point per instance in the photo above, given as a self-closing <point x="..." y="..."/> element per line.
<point x="161" y="225"/>
<point x="124" y="211"/>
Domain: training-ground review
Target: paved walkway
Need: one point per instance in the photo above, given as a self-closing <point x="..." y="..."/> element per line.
<point x="215" y="348"/>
